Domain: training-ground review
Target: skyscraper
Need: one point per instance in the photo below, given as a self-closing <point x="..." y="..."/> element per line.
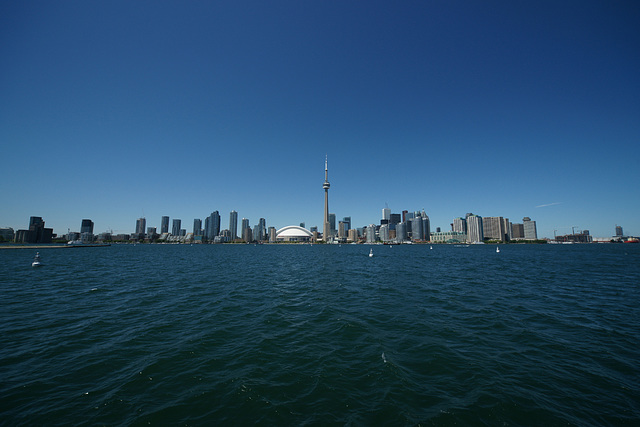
<point x="233" y="224"/>
<point x="619" y="232"/>
<point x="212" y="225"/>
<point x="164" y="225"/>
<point x="460" y="225"/>
<point x="326" y="227"/>
<point x="175" y="228"/>
<point x="475" y="231"/>
<point x="87" y="226"/>
<point x="197" y="227"/>
<point x="243" y="226"/>
<point x="386" y="213"/>
<point x="530" y="231"/>
<point x="141" y="226"/>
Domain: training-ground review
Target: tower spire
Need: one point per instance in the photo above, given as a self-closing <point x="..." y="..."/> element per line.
<point x="326" y="228"/>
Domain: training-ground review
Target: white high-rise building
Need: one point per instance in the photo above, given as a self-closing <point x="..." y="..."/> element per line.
<point x="475" y="231"/>
<point x="530" y="231"/>
<point x="386" y="213"/>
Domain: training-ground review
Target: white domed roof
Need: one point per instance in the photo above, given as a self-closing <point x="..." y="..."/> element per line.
<point x="293" y="231"/>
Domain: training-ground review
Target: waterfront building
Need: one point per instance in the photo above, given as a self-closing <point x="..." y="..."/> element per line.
<point x="151" y="233"/>
<point x="347" y="222"/>
<point x="416" y="229"/>
<point x="247" y="235"/>
<point x="353" y="235"/>
<point x="141" y="227"/>
<point x="332" y="224"/>
<point x="313" y="229"/>
<point x="401" y="232"/>
<point x="243" y="226"/>
<point x="175" y="229"/>
<point x="384" y="233"/>
<point x="273" y="234"/>
<point x="475" y="230"/>
<point x="293" y="233"/>
<point x="530" y="231"/>
<point x="326" y="226"/>
<point x="86" y="231"/>
<point x="619" y="232"/>
<point x="197" y="227"/>
<point x="449" y="237"/>
<point x="371" y="233"/>
<point x="342" y="230"/>
<point x="494" y="228"/>
<point x="426" y="227"/>
<point x="212" y="225"/>
<point x="6" y="234"/>
<point x="459" y="225"/>
<point x="262" y="229"/>
<point x="164" y="225"/>
<point x="517" y="231"/>
<point x="86" y="226"/>
<point x="233" y="224"/>
<point x="37" y="233"/>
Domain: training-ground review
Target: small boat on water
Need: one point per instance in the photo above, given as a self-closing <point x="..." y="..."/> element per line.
<point x="497" y="249"/>
<point x="37" y="262"/>
<point x="371" y="253"/>
<point x="430" y="247"/>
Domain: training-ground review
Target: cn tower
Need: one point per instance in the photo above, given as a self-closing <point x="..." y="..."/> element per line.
<point x="326" y="227"/>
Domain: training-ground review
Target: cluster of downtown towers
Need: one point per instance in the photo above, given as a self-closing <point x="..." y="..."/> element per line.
<point x="408" y="226"/>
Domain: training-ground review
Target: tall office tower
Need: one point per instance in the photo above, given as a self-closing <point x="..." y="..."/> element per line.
<point x="197" y="227"/>
<point x="347" y="222"/>
<point x="401" y="232"/>
<point x="371" y="233"/>
<point x="395" y="219"/>
<point x="262" y="228"/>
<point x="207" y="228"/>
<point x="416" y="228"/>
<point x="233" y="224"/>
<point x="247" y="236"/>
<point x="141" y="226"/>
<point x="244" y="225"/>
<point x="517" y="231"/>
<point x="530" y="231"/>
<point x="384" y="232"/>
<point x="164" y="225"/>
<point x="353" y="235"/>
<point x="426" y="228"/>
<point x="493" y="227"/>
<point x="303" y="225"/>
<point x="619" y="231"/>
<point x="460" y="225"/>
<point x="326" y="226"/>
<point x="272" y="235"/>
<point x="332" y="224"/>
<point x="475" y="230"/>
<point x="214" y="225"/>
<point x="87" y="226"/>
<point x="506" y="227"/>
<point x="386" y="213"/>
<point x="175" y="228"/>
<point x="404" y="216"/>
<point x="342" y="230"/>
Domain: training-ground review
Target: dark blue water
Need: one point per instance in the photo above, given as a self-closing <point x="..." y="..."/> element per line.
<point x="321" y="335"/>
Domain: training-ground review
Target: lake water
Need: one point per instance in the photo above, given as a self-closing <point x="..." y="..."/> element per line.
<point x="321" y="335"/>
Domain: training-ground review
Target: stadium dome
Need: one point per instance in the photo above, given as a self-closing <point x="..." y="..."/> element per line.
<point x="293" y="233"/>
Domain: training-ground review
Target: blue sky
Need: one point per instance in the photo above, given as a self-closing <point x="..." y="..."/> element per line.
<point x="116" y="110"/>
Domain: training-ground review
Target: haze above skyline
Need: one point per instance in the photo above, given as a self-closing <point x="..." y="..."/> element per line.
<point x="114" y="111"/>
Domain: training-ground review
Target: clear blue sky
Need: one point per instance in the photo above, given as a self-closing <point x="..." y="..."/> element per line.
<point x="115" y="110"/>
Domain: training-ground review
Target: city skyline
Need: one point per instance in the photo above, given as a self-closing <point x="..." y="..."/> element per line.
<point x="122" y="111"/>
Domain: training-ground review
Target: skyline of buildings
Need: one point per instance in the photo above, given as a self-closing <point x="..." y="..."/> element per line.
<point x="393" y="228"/>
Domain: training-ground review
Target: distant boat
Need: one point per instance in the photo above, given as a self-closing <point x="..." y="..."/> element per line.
<point x="430" y="247"/>
<point x="36" y="260"/>
<point x="371" y="253"/>
<point x="498" y="249"/>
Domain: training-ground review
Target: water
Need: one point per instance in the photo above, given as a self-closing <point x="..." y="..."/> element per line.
<point x="321" y="335"/>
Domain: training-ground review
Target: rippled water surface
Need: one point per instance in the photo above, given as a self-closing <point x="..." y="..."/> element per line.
<point x="320" y="335"/>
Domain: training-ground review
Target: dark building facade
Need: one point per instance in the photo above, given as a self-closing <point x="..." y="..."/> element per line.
<point x="37" y="233"/>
